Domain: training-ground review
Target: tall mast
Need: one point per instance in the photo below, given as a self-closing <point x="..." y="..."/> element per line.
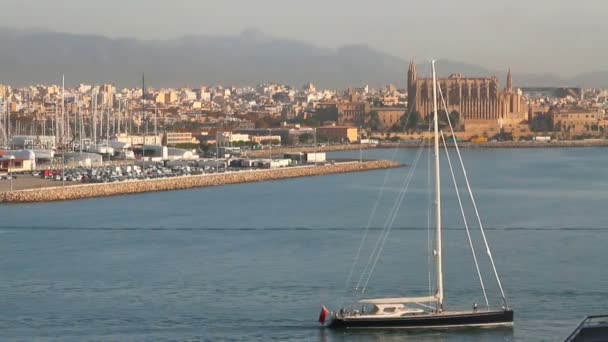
<point x="62" y="127"/>
<point x="101" y="110"/>
<point x="155" y="122"/>
<point x="7" y="120"/>
<point x="143" y="103"/>
<point x="65" y="129"/>
<point x="81" y="131"/>
<point x="94" y="125"/>
<point x="117" y="131"/>
<point x="108" y="126"/>
<point x="438" y="250"/>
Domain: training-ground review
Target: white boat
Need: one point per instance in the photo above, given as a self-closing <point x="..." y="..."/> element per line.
<point x="100" y="149"/>
<point x="44" y="154"/>
<point x="426" y="312"/>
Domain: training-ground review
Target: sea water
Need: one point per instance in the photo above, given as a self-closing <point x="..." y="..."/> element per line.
<point x="256" y="261"/>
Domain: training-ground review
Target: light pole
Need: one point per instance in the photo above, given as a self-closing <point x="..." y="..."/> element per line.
<point x="63" y="169"/>
<point x="360" y="147"/>
<point x="217" y="151"/>
<point x="270" y="144"/>
<point x="315" y="143"/>
<point x="10" y="165"/>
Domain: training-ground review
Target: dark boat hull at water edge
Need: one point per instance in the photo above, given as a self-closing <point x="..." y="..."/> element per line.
<point x="426" y="321"/>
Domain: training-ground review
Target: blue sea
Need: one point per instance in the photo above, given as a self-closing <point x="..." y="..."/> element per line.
<point x="255" y="262"/>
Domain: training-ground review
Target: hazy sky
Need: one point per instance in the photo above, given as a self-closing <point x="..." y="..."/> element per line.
<point x="563" y="37"/>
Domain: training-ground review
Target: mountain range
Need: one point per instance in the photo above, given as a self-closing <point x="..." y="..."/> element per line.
<point x="39" y="56"/>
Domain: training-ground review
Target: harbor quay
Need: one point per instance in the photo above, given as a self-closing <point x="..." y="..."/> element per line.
<point x="81" y="191"/>
<point x="310" y="149"/>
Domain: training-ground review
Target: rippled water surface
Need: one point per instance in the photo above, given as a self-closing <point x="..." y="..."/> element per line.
<point x="256" y="261"/>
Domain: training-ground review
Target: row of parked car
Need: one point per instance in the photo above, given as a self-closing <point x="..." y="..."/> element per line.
<point x="108" y="174"/>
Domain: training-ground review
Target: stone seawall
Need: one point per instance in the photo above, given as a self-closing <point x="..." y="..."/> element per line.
<point x="277" y="151"/>
<point x="165" y="184"/>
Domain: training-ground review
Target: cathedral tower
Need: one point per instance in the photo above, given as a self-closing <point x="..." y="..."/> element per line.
<point x="509" y="81"/>
<point x="411" y="87"/>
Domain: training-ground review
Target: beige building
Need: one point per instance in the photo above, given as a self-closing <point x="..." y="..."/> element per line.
<point x="3" y="90"/>
<point x="174" y="138"/>
<point x="170" y="97"/>
<point x="342" y="133"/>
<point x="352" y="112"/>
<point x="229" y="137"/>
<point x="138" y="140"/>
<point x="390" y="100"/>
<point x="265" y="138"/>
<point x="389" y="116"/>
<point x="166" y="97"/>
<point x="16" y="165"/>
<point x="572" y="122"/>
<point x="160" y="98"/>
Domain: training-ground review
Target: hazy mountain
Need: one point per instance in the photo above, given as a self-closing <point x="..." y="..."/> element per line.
<point x="249" y="58"/>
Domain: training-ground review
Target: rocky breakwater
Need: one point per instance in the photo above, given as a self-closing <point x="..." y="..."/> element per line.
<point x="165" y="184"/>
<point x="306" y="149"/>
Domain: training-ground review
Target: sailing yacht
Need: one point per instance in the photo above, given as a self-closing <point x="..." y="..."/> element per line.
<point x="427" y="311"/>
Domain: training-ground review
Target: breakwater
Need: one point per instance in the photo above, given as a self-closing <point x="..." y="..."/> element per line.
<point x="138" y="186"/>
<point x="306" y="149"/>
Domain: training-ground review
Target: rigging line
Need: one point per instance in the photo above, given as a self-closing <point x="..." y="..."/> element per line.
<point x="384" y="228"/>
<point x="464" y="219"/>
<point x="367" y="228"/>
<point x="407" y="119"/>
<point x="392" y="219"/>
<point x="466" y="179"/>
<point x="364" y="238"/>
<point x="381" y="234"/>
<point x="370" y="219"/>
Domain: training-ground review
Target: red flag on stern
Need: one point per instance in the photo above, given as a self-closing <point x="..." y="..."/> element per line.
<point x="323" y="314"/>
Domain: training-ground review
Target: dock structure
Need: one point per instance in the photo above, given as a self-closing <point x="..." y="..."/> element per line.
<point x="186" y="182"/>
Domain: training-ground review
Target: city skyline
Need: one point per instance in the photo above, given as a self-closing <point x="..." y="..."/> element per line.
<point x="538" y="37"/>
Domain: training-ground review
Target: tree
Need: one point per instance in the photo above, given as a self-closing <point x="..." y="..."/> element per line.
<point x="312" y="121"/>
<point x="411" y="121"/>
<point x="266" y="142"/>
<point x="542" y="122"/>
<point x="327" y="114"/>
<point x="454" y="119"/>
<point x="374" y="121"/>
<point x="398" y="127"/>
<point x="305" y="138"/>
<point x="187" y="146"/>
<point x="557" y="126"/>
